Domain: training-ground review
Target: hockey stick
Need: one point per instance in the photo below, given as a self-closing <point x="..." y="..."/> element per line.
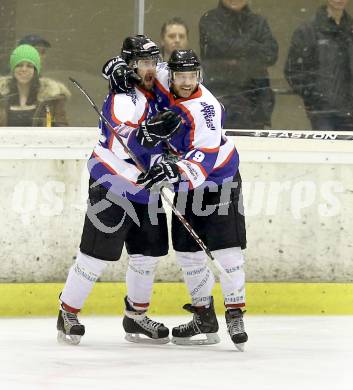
<point x="184" y="222"/>
<point x="292" y="134"/>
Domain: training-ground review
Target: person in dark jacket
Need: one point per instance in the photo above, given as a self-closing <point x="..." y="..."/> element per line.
<point x="237" y="47"/>
<point x="319" y="67"/>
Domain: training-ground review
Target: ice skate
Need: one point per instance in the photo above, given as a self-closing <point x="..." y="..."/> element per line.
<point x="236" y="330"/>
<point x="141" y="329"/>
<point x="204" y="323"/>
<point x="69" y="328"/>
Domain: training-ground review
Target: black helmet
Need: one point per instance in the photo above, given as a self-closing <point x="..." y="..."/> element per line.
<point x="183" y="61"/>
<point x="137" y="47"/>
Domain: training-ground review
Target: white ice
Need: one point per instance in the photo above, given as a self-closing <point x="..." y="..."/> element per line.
<point x="282" y="353"/>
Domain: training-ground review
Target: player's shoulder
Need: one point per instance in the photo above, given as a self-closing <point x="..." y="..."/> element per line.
<point x="205" y="109"/>
<point x="208" y="95"/>
<point x="126" y="105"/>
<point x="204" y="100"/>
<point x="129" y="97"/>
<point x="162" y="66"/>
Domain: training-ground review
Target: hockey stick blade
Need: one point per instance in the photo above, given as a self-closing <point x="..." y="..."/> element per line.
<point x="293" y="134"/>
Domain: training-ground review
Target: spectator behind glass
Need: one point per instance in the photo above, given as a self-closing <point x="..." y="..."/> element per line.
<point x="237" y="47"/>
<point x="174" y="36"/>
<point x="27" y="99"/>
<point x="41" y="44"/>
<point x="319" y="67"/>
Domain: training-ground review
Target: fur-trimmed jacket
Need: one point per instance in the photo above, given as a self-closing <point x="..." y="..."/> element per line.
<point x="51" y="101"/>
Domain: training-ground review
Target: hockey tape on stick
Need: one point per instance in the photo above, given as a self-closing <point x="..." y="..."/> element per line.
<point x="292" y="134"/>
<point x="141" y="168"/>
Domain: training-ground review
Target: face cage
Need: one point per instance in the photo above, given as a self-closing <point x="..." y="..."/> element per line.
<point x="171" y="75"/>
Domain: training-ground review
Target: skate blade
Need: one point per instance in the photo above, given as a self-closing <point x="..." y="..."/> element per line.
<point x="240" y="347"/>
<point x="211" y="338"/>
<point x="136" y="338"/>
<point x="68" y="339"/>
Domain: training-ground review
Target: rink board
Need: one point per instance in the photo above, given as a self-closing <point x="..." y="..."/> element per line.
<point x="41" y="299"/>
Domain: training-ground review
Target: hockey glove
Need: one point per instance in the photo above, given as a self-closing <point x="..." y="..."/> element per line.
<point x="159" y="128"/>
<point x="121" y="77"/>
<point x="164" y="172"/>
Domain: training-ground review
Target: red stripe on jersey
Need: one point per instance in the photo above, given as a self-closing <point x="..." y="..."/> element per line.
<point x="128" y="123"/>
<point x="111" y="140"/>
<point x="134" y="125"/>
<point x="115" y="119"/>
<point x="210" y="150"/>
<point x="191" y="120"/>
<point x="112" y="170"/>
<point x="143" y="117"/>
<point x="195" y="95"/>
<point x="176" y="102"/>
<point x="200" y="166"/>
<point x="166" y="92"/>
<point x="182" y="171"/>
<point x="148" y="94"/>
<point x="191" y="187"/>
<point x="230" y="155"/>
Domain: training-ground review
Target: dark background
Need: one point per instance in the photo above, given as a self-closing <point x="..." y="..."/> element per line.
<point x="84" y="33"/>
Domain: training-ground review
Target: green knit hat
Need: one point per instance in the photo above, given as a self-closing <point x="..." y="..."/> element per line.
<point x="25" y="53"/>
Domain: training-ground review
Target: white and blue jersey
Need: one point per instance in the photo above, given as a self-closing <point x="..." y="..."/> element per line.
<point x="109" y="164"/>
<point x="205" y="153"/>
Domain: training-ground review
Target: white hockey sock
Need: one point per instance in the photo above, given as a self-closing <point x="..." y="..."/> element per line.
<point x="232" y="260"/>
<point x="197" y="275"/>
<point x="139" y="280"/>
<point x="80" y="280"/>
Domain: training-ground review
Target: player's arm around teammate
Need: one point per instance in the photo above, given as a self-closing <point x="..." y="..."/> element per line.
<point x="118" y="210"/>
<point x="207" y="162"/>
<point x="209" y="196"/>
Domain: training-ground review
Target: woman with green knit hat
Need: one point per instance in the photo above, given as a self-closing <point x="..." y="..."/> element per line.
<point x="26" y="99"/>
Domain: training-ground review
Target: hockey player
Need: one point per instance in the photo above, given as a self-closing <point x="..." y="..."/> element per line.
<point x="118" y="209"/>
<point x="208" y="162"/>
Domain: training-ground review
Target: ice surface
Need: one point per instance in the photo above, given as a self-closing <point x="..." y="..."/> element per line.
<point x="282" y="353"/>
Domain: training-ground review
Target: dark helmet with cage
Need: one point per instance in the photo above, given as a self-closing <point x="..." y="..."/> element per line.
<point x="184" y="61"/>
<point x="139" y="47"/>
